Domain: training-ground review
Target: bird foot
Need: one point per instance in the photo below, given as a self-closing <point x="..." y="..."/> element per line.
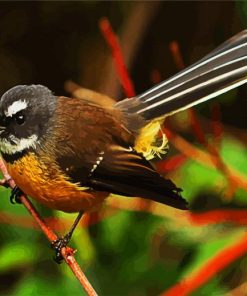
<point x="16" y="193"/>
<point x="57" y="245"/>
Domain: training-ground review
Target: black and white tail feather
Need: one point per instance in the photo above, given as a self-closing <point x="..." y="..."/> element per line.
<point x="223" y="69"/>
<point x="220" y="71"/>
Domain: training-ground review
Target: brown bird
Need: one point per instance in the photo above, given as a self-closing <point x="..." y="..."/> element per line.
<point x="70" y="154"/>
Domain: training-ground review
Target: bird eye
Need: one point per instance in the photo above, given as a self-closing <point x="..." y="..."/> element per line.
<point x="19" y="118"/>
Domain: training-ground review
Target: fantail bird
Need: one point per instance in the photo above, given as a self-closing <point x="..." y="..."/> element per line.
<point x="70" y="154"/>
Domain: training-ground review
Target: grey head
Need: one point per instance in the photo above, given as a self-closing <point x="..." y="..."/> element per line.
<point x="25" y="113"/>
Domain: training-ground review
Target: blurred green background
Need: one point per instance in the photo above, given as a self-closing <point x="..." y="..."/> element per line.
<point x="130" y="252"/>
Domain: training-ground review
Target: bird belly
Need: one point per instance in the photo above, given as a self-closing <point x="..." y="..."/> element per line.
<point x="49" y="186"/>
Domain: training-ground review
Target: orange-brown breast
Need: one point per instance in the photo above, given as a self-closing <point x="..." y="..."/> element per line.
<point x="46" y="184"/>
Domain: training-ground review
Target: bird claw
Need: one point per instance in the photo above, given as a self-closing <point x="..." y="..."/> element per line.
<point x="57" y="245"/>
<point x="15" y="195"/>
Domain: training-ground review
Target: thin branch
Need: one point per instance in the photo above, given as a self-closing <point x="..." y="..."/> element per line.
<point x="72" y="263"/>
<point x="39" y="220"/>
<point x="197" y="128"/>
<point x="236" y="216"/>
<point x="54" y="223"/>
<point x="171" y="164"/>
<point x="88" y="94"/>
<point x="67" y="253"/>
<point x="155" y="76"/>
<point x="216" y="125"/>
<point x="176" y="54"/>
<point x="113" y="42"/>
<point x="133" y="30"/>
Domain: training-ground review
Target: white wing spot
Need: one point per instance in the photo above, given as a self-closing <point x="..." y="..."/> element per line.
<point x="98" y="161"/>
<point x="94" y="168"/>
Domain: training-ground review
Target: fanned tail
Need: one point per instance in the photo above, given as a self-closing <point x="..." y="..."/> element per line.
<point x="220" y="71"/>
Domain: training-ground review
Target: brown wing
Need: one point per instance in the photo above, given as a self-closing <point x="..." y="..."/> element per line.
<point x="121" y="170"/>
<point x="83" y="131"/>
<point x="96" y="150"/>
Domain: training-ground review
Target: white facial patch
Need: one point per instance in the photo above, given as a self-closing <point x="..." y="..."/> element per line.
<point x="16" y="107"/>
<point x="19" y="144"/>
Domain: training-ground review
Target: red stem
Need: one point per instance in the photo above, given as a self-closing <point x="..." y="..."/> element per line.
<point x="214" y="265"/>
<point x="176" y="54"/>
<point x="113" y="43"/>
<point x="217" y="216"/>
<point x="72" y="263"/>
<point x="216" y="125"/>
<point x="171" y="164"/>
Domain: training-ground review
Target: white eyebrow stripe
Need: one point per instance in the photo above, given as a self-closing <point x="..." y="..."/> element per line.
<point x="16" y="107"/>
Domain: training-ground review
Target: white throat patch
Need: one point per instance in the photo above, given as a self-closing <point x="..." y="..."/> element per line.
<point x="19" y="144"/>
<point x="16" y="107"/>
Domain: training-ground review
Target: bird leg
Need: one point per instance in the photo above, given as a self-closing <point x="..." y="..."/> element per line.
<point x="62" y="242"/>
<point x="16" y="193"/>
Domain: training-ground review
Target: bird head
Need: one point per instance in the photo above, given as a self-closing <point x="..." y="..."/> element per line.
<point x="25" y="113"/>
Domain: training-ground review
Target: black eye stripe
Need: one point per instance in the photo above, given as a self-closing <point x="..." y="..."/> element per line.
<point x="19" y="118"/>
<point x="6" y="120"/>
